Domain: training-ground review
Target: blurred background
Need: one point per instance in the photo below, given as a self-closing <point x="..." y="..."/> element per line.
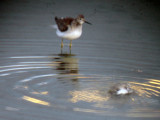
<point x="39" y="80"/>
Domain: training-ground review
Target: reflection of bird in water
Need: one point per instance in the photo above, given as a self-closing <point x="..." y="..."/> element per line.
<point x="121" y="89"/>
<point x="67" y="64"/>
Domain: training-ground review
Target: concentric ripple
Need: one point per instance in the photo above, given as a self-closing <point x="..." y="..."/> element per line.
<point x="57" y="83"/>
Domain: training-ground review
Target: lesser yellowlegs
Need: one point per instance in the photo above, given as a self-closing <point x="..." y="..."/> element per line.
<point x="69" y="28"/>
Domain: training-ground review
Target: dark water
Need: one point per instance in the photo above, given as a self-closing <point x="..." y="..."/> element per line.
<point x="41" y="81"/>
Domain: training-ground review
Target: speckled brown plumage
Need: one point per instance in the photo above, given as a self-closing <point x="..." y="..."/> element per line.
<point x="63" y="23"/>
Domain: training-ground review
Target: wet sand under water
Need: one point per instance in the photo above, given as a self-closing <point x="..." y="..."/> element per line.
<point x="41" y="81"/>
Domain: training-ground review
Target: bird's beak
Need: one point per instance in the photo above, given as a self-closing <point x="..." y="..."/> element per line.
<point x="88" y="22"/>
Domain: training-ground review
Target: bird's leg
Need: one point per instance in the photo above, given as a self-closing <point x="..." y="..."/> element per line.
<point x="61" y="50"/>
<point x="70" y="45"/>
<point x="62" y="43"/>
<point x="70" y="49"/>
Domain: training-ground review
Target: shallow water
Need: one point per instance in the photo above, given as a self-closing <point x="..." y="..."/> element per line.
<point x="39" y="80"/>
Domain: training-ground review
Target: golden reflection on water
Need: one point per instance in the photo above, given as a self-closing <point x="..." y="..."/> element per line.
<point x="154" y="80"/>
<point x="90" y="110"/>
<point x="154" y="83"/>
<point x="87" y="96"/>
<point x="145" y="85"/>
<point x="37" y="101"/>
<point x="148" y="112"/>
<point x="149" y="88"/>
<point x="40" y="93"/>
<point x="146" y="89"/>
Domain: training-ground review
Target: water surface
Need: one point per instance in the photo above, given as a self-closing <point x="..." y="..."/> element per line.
<point x="39" y="80"/>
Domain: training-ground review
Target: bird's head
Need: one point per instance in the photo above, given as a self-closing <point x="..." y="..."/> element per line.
<point x="81" y="19"/>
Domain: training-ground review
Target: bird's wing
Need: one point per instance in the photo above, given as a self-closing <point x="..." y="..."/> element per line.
<point x="63" y="23"/>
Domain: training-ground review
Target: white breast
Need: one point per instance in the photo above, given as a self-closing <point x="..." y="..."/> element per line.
<point x="70" y="34"/>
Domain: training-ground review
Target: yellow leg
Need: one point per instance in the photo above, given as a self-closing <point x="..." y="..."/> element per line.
<point x="70" y="49"/>
<point x="70" y="44"/>
<point x="62" y="43"/>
